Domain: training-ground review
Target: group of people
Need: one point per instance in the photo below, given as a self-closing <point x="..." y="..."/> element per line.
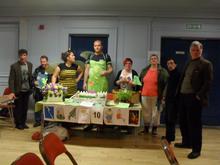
<point x="184" y="94"/>
<point x="22" y="82"/>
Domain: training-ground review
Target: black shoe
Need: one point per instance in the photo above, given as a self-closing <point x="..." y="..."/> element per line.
<point x="154" y="131"/>
<point x="146" y="129"/>
<point x="181" y="145"/>
<point x="37" y="124"/>
<point x="21" y="127"/>
<point x="25" y="126"/>
<point x="193" y="155"/>
<point x="164" y="138"/>
<point x="143" y="132"/>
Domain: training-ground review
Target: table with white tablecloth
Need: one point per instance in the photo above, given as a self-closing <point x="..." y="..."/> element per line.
<point x="91" y="113"/>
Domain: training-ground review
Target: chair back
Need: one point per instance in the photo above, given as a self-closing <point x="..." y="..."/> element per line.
<point x="169" y="152"/>
<point x="7" y="91"/>
<point x="27" y="159"/>
<point x="51" y="146"/>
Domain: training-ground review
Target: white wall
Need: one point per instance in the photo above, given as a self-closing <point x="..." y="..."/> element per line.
<point x="8" y="51"/>
<point x="128" y="36"/>
<point x="43" y="42"/>
<point x="133" y="42"/>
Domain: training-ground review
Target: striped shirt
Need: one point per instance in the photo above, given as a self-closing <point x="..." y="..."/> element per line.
<point x="68" y="77"/>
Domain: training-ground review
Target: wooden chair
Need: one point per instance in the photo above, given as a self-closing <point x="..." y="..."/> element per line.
<point x="8" y="104"/>
<point x="51" y="147"/>
<point x="27" y="159"/>
<point x="169" y="152"/>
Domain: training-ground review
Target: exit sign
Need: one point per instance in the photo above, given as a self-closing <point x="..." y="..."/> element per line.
<point x="193" y="26"/>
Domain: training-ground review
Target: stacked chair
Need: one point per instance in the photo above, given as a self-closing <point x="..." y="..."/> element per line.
<point x="50" y="148"/>
<point x="27" y="159"/>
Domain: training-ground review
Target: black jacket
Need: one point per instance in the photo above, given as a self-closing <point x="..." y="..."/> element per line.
<point x="172" y="83"/>
<point x="201" y="79"/>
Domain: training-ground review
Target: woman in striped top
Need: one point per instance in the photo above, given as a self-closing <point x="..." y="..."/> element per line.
<point x="68" y="73"/>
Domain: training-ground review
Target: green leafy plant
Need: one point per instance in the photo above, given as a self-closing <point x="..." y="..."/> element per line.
<point x="124" y="95"/>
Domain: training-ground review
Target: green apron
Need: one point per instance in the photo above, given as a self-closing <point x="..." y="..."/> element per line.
<point x="96" y="82"/>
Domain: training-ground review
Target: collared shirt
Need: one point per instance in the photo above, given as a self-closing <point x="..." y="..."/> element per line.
<point x="186" y="86"/>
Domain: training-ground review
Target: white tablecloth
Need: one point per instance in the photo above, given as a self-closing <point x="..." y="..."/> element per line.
<point x="109" y="115"/>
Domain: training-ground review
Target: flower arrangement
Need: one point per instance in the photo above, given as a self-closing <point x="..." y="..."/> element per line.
<point x="54" y="92"/>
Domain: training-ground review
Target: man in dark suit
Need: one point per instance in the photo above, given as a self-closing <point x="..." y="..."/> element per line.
<point x="20" y="84"/>
<point x="193" y="90"/>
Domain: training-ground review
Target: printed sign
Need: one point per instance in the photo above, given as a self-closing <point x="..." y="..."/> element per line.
<point x="97" y="115"/>
<point x="115" y="116"/>
<point x="134" y="117"/>
<point x="59" y="113"/>
<point x="48" y="112"/>
<point x="84" y="115"/>
<point x="120" y="116"/>
<point x="71" y="113"/>
<point x="108" y="116"/>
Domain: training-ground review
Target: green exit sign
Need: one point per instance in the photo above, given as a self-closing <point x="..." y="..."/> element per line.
<point x="193" y="26"/>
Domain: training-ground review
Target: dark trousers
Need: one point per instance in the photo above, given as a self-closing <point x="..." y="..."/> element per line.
<point x="38" y="97"/>
<point x="37" y="116"/>
<point x="190" y="111"/>
<point x="21" y="108"/>
<point x="170" y="119"/>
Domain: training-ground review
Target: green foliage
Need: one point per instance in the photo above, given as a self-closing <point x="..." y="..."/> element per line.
<point x="124" y="95"/>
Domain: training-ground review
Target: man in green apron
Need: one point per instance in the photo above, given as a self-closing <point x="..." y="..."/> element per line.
<point x="98" y="66"/>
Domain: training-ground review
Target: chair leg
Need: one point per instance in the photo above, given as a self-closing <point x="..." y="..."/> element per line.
<point x="71" y="158"/>
<point x="10" y="110"/>
<point x="42" y="122"/>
